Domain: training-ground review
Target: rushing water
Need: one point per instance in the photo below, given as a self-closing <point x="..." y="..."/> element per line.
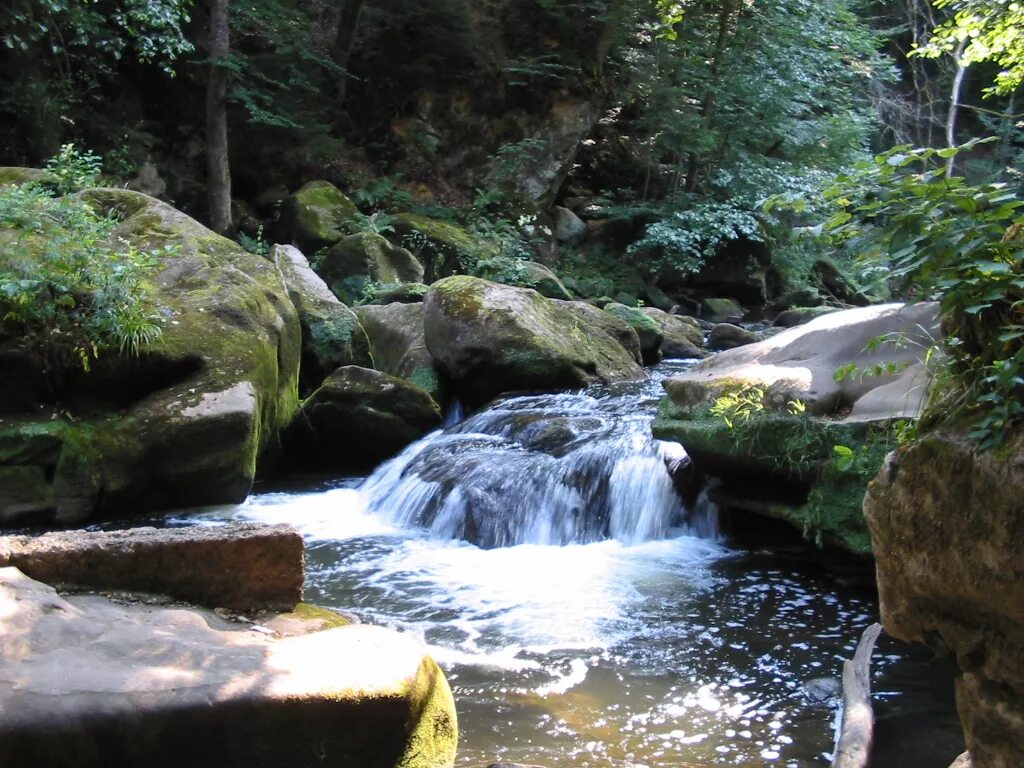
<point x="600" y="622"/>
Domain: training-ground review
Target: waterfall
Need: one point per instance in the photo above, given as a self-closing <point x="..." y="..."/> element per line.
<point x="542" y="469"/>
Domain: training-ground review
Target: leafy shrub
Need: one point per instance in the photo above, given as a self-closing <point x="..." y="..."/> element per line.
<point x="683" y="241"/>
<point x="68" y="292"/>
<point x="75" y="169"/>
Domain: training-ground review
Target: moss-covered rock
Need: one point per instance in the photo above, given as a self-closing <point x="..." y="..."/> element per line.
<point x="331" y="333"/>
<point x="185" y="422"/>
<point x="523" y="274"/>
<point x="729" y="336"/>
<point x="795" y="316"/>
<point x="366" y="257"/>
<point x="14" y="176"/>
<point x="490" y="338"/>
<point x="443" y="247"/>
<point x="358" y="418"/>
<point x="947" y="525"/>
<point x="683" y="336"/>
<point x="399" y="346"/>
<point x="407" y="293"/>
<point x="317" y="216"/>
<point x="784" y="466"/>
<point x="648" y="331"/>
<point x="720" y="310"/>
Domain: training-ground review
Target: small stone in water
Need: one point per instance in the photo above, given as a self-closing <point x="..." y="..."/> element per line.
<point x="822" y="689"/>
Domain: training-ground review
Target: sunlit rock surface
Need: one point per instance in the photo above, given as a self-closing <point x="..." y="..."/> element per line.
<point x="89" y="682"/>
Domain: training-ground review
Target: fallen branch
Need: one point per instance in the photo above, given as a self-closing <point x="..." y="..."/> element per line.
<point x="853" y="749"/>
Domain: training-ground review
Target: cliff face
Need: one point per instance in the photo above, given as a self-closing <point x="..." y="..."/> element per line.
<point x="947" y="527"/>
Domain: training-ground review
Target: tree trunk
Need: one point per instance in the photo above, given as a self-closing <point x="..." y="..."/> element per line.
<point x="218" y="179"/>
<point x="954" y="103"/>
<point x="341" y="51"/>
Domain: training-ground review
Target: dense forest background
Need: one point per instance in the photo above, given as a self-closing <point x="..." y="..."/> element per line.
<point x="661" y="127"/>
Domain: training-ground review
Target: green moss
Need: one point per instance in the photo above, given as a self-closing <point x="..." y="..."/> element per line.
<point x="426" y="378"/>
<point x="328" y="618"/>
<point x="12" y="176"/>
<point x="433" y="724"/>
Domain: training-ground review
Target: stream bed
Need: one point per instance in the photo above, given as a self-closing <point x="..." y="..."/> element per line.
<point x="584" y="617"/>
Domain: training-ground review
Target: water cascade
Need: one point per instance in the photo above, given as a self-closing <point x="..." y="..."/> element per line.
<point x="544" y="469"/>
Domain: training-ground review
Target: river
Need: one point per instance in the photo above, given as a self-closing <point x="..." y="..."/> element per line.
<point x="584" y="616"/>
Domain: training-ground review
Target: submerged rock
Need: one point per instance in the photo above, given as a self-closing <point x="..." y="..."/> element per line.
<point x="490" y="338"/>
<point x="93" y="683"/>
<point x="947" y="526"/>
<point x="331" y="333"/>
<point x="185" y="422"/>
<point x="358" y="418"/>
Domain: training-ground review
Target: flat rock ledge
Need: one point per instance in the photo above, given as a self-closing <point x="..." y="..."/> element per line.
<point x="241" y="566"/>
<point x="89" y="682"/>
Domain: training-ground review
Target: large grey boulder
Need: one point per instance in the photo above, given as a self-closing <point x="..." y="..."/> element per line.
<point x="241" y="566"/>
<point x="331" y="333"/>
<point x="357" y="419"/>
<point x="801" y="363"/>
<point x="399" y="345"/>
<point x="490" y="338"/>
<point x="186" y="421"/>
<point x="93" y="683"/>
<point x="569" y="228"/>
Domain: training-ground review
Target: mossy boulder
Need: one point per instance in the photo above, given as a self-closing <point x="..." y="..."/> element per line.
<point x="318" y="215"/>
<point x="490" y="339"/>
<point x="443" y="247"/>
<point x="399" y="345"/>
<point x="367" y="257"/>
<point x="947" y="525"/>
<point x="185" y="422"/>
<point x="15" y="176"/>
<point x="729" y="336"/>
<point x="524" y="274"/>
<point x="648" y="331"/>
<point x="790" y="318"/>
<point x="406" y="293"/>
<point x="784" y="466"/>
<point x="357" y="419"/>
<point x="720" y="310"/>
<point x="331" y="333"/>
<point x="683" y="336"/>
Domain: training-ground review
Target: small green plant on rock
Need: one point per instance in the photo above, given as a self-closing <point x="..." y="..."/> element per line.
<point x="69" y="290"/>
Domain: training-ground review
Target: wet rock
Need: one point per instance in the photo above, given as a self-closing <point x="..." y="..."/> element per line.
<point x="729" y="336"/>
<point x="947" y="528"/>
<point x="822" y="690"/>
<point x="317" y="216"/>
<point x="186" y="421"/>
<point x="241" y="566"/>
<point x="490" y="338"/>
<point x="399" y="345"/>
<point x="331" y="333"/>
<point x="93" y="683"/>
<point x="358" y="418"/>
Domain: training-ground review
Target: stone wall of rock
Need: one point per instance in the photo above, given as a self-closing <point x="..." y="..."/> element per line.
<point x="947" y="527"/>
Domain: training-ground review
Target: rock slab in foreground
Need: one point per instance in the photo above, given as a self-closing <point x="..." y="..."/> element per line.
<point x="93" y="684"/>
<point x="490" y="339"/>
<point x="947" y="527"/>
<point x="240" y="566"/>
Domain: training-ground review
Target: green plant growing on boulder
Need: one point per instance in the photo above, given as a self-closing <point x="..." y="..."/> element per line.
<point x="68" y="292"/>
<point x="75" y="169"/>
